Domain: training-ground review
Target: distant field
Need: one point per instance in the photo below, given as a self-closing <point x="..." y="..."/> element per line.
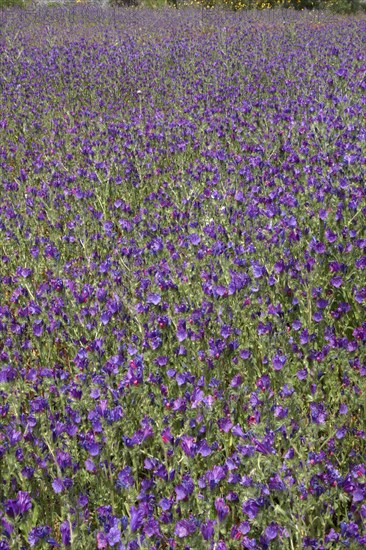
<point x="182" y="280"/>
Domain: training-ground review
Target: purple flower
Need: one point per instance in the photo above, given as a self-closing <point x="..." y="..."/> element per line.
<point x="250" y="508"/>
<point x="318" y="316"/>
<point x="18" y="506"/>
<point x="304" y="337"/>
<point x="244" y="527"/>
<point x="258" y="270"/>
<point x="278" y="361"/>
<point x="358" y="494"/>
<point x="276" y="483"/>
<point x="38" y="327"/>
<point x="188" y="445"/>
<point x="341" y="432"/>
<point x="195" y="239"/>
<point x="302" y="374"/>
<point x="106" y="317"/>
<point x="239" y="196"/>
<point x="332" y="536"/>
<point x="184" y="528"/>
<point x="238" y="431"/>
<point x="343" y="409"/>
<point x="161" y="361"/>
<point x="279" y="266"/>
<point x="136" y="518"/>
<point x="153" y="298"/>
<point x="38" y="533"/>
<point x="101" y="541"/>
<point x="310" y="543"/>
<point x="336" y="281"/>
<point x="245" y="354"/>
<point x="89" y="466"/>
<point x="65" y="529"/>
<point x="113" y="536"/>
<point x="25" y="272"/>
<point x="225" y="424"/>
<point x="93" y="448"/>
<point x="271" y="531"/>
<point x="208" y="529"/>
<point x="318" y="413"/>
<point x="222" y="509"/>
<point x="320" y="248"/>
<point x="7" y="528"/>
<point x="215" y="475"/>
<point x="184" y="489"/>
<point x="360" y="296"/>
<point x="197" y="397"/>
<point x="203" y="448"/>
<point x="249" y="544"/>
<point x="280" y="412"/>
<point x="125" y="478"/>
<point x="165" y="504"/>
<point x="151" y="528"/>
<point x="108" y="228"/>
<point x="181" y="330"/>
<point x="57" y="485"/>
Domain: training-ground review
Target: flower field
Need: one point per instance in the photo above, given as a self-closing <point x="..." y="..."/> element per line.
<point x="182" y="280"/>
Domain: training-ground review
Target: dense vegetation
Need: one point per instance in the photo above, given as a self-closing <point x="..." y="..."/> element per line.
<point x="182" y="280"/>
<point x="336" y="6"/>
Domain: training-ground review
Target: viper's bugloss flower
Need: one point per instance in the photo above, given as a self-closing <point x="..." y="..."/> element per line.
<point x="65" y="530"/>
<point x="208" y="529"/>
<point x="136" y="518"/>
<point x="184" y="528"/>
<point x="222" y="509"/>
<point x="42" y="532"/>
<point x="18" y="506"/>
<point x="318" y="413"/>
<point x="279" y="361"/>
<point x="251" y="508"/>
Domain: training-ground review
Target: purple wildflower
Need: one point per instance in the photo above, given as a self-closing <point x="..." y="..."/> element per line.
<point x="184" y="528"/>
<point x="208" y="529"/>
<point x="65" y="529"/>
<point x="136" y="518"/>
<point x="222" y="509"/>
<point x="279" y="361"/>
<point x="18" y="506"/>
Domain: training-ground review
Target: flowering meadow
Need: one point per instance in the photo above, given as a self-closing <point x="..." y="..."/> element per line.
<point x="182" y="280"/>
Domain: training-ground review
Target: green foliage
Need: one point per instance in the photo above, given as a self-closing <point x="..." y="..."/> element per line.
<point x="123" y="3"/>
<point x="344" y="6"/>
<point x="336" y="6"/>
<point x="12" y="4"/>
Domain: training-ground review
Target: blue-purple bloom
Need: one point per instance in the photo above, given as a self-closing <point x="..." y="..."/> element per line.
<point x="222" y="509"/>
<point x="18" y="506"/>
<point x="279" y="361"/>
<point x="136" y="518"/>
<point x="65" y="529"/>
<point x="184" y="528"/>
